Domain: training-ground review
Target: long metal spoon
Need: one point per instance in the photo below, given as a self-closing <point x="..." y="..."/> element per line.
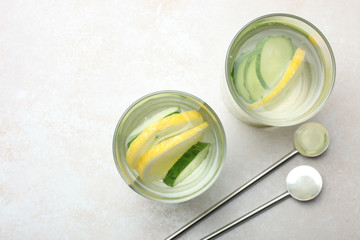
<point x="302" y="183"/>
<point x="310" y="139"/>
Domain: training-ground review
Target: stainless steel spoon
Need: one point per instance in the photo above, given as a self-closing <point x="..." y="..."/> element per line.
<point x="302" y="183"/>
<point x="310" y="139"/>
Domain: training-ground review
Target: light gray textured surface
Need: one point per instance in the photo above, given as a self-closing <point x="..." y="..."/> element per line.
<point x="69" y="69"/>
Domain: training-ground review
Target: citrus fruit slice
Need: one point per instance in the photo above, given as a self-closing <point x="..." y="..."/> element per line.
<point x="160" y="130"/>
<point x="156" y="162"/>
<point x="162" y="114"/>
<point x="289" y="73"/>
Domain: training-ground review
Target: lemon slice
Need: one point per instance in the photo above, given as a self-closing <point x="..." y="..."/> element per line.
<point x="289" y="73"/>
<point x="156" y="162"/>
<point x="145" y="124"/>
<point x="161" y="129"/>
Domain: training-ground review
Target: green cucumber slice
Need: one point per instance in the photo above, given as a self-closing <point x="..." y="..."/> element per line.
<point x="251" y="81"/>
<point x="186" y="164"/>
<point x="239" y="79"/>
<point x="274" y="56"/>
<point x="164" y="113"/>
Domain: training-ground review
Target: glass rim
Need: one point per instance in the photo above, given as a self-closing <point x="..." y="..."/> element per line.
<point x="154" y="196"/>
<point x="333" y="70"/>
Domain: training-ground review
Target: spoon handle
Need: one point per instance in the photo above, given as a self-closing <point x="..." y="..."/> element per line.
<point x="231" y="195"/>
<point x="247" y="216"/>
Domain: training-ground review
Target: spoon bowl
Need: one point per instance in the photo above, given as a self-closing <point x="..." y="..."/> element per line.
<point x="311" y="139"/>
<point x="304" y="183"/>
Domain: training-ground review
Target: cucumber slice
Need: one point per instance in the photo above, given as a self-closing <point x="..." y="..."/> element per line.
<point x="164" y="113"/>
<point x="239" y="67"/>
<point x="251" y="81"/>
<point x="274" y="56"/>
<point x="187" y="164"/>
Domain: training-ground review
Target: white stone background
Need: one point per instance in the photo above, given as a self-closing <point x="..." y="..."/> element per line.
<point x="69" y="69"/>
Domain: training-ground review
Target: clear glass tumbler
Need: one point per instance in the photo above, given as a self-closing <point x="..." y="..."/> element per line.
<point x="301" y="98"/>
<point x="202" y="178"/>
